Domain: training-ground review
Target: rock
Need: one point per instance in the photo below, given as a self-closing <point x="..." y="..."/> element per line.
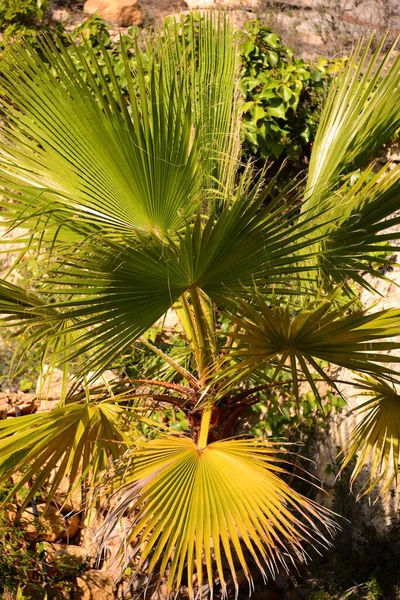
<point x="73" y="524"/>
<point x="50" y="384"/>
<point x="161" y="593"/>
<point x="65" y="499"/>
<point x="94" y="585"/>
<point x="51" y="525"/>
<point x="9" y="402"/>
<point x="62" y="558"/>
<point x="200" y="3"/>
<point x="89" y="540"/>
<point x="119" y="12"/>
<point x="49" y="404"/>
<point x="60" y="14"/>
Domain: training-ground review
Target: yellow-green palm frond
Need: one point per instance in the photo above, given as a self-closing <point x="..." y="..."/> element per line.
<point x="75" y="440"/>
<point x="195" y="506"/>
<point x="375" y="442"/>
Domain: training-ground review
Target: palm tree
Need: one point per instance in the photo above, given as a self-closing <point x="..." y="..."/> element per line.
<point x="133" y="207"/>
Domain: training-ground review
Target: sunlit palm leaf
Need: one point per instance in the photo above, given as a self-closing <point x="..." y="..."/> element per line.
<point x="360" y="115"/>
<point x="75" y="440"/>
<point x="375" y="442"/>
<point x="194" y="506"/>
<point x="81" y="150"/>
<point x="210" y="62"/>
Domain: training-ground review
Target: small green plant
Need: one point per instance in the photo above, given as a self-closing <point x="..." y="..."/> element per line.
<point x="22" y="17"/>
<point x="24" y="566"/>
<point x="282" y="95"/>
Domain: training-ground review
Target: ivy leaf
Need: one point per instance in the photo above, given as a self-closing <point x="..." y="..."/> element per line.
<point x="277" y="111"/>
<point x="247" y="48"/>
<point x="272" y="58"/>
<point x="257" y="112"/>
<point x="285" y="93"/>
<point x="272" y="39"/>
<point x="316" y="76"/>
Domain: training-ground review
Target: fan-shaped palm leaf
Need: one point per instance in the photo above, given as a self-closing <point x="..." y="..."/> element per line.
<point x="193" y="506"/>
<point x="360" y="115"/>
<point x="105" y="291"/>
<point x="375" y="442"/>
<point x="76" y="440"/>
<point x="80" y="150"/>
<point x="320" y="331"/>
<point x="363" y="221"/>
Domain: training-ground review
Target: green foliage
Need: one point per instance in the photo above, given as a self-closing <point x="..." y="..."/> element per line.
<point x="284" y="417"/>
<point x="24" y="569"/>
<point x="12" y="376"/>
<point x="21" y="17"/>
<point x="94" y="36"/>
<point x="283" y="95"/>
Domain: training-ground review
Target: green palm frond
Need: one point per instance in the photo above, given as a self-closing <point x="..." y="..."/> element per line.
<point x="375" y="442"/>
<point x="106" y="294"/>
<point x="210" y="63"/>
<point x="76" y="440"/>
<point x="81" y="151"/>
<point x="360" y="115"/>
<point x="195" y="506"/>
<point x="363" y="223"/>
<point x="86" y="155"/>
<point x="300" y="336"/>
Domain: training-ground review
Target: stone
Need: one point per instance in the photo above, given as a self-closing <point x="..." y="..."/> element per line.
<point x="60" y="14"/>
<point x="73" y="525"/>
<point x="26" y="403"/>
<point x="119" y="12"/>
<point x="51" y="525"/>
<point x="200" y="3"/>
<point x="54" y="551"/>
<point x="66" y="499"/>
<point x="94" y="585"/>
<point x="161" y="593"/>
<point x="50" y="384"/>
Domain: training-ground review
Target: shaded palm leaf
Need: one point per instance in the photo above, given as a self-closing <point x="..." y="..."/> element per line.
<point x="375" y="442"/>
<point x="279" y="334"/>
<point x="194" y="506"/>
<point x="363" y="223"/>
<point x="109" y="293"/>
